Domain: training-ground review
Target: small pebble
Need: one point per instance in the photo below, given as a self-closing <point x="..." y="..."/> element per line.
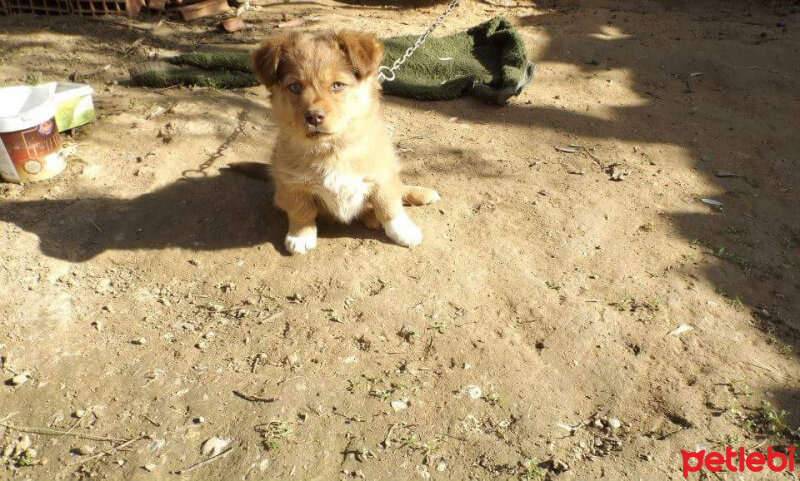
<point x="214" y="445"/>
<point x="103" y="285"/>
<point x="559" y="466"/>
<point x="20" y="379"/>
<point x="139" y="341"/>
<point x="84" y="450"/>
<point x="157" y="444"/>
<point x="23" y="444"/>
<point x="614" y="423"/>
<point x="399" y="405"/>
<point x="474" y="391"/>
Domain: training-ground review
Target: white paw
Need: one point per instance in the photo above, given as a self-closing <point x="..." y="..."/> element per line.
<point x="403" y="231"/>
<point x="300" y="244"/>
<point x="436" y="197"/>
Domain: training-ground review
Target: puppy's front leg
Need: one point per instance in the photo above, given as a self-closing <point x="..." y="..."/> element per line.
<point x="387" y="200"/>
<point x="302" y="213"/>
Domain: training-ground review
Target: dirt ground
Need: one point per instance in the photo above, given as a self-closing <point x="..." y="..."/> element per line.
<point x="531" y="336"/>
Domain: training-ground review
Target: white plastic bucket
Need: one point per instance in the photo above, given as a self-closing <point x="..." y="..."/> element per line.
<point x="30" y="146"/>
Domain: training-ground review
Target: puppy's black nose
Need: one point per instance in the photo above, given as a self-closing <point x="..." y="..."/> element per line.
<point x="315" y="117"/>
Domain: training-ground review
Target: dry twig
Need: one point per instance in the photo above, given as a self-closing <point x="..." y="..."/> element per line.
<point x="250" y="397"/>
<point x="205" y="461"/>
<point x="112" y="450"/>
<point x="55" y="432"/>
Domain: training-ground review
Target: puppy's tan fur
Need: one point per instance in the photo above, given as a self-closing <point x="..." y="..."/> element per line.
<point x="343" y="163"/>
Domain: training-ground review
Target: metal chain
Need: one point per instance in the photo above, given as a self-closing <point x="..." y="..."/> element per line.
<point x="386" y="74"/>
<point x="201" y="171"/>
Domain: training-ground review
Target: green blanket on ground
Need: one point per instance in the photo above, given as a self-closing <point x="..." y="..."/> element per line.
<point x="488" y="61"/>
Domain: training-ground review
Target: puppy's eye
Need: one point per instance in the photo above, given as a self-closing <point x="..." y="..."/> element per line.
<point x="295" y="87"/>
<point x="337" y="86"/>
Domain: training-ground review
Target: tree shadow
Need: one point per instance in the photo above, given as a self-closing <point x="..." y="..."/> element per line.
<point x="695" y="82"/>
<point x="699" y="97"/>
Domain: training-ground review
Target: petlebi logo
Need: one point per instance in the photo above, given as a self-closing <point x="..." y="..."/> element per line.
<point x="738" y="460"/>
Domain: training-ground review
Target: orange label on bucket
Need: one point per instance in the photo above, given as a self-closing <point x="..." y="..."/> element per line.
<point x="32" y="143"/>
<point x="29" y="150"/>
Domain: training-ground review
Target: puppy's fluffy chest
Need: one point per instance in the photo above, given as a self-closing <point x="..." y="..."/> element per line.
<point x="344" y="194"/>
<point x="341" y="191"/>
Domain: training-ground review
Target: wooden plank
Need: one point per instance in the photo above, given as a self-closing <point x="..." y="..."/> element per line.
<point x="231" y="25"/>
<point x="157" y="4"/>
<point x="36" y="7"/>
<point x="203" y="9"/>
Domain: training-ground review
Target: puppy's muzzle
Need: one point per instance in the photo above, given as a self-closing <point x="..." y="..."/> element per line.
<point x="314" y="117"/>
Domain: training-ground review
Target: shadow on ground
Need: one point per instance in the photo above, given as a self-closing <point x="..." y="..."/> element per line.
<point x="204" y="213"/>
<point x="737" y="86"/>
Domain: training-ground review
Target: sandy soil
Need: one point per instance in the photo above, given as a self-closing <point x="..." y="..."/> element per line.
<point x="146" y="286"/>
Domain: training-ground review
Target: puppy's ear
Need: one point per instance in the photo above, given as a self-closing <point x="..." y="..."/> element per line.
<point x="363" y="51"/>
<point x="267" y="59"/>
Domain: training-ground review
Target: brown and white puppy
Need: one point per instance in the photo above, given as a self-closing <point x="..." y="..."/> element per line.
<point x="333" y="154"/>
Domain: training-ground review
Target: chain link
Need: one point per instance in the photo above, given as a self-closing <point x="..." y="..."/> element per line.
<point x="201" y="171"/>
<point x="386" y="74"/>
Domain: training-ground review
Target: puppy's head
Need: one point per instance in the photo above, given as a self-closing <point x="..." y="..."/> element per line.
<point x="321" y="81"/>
